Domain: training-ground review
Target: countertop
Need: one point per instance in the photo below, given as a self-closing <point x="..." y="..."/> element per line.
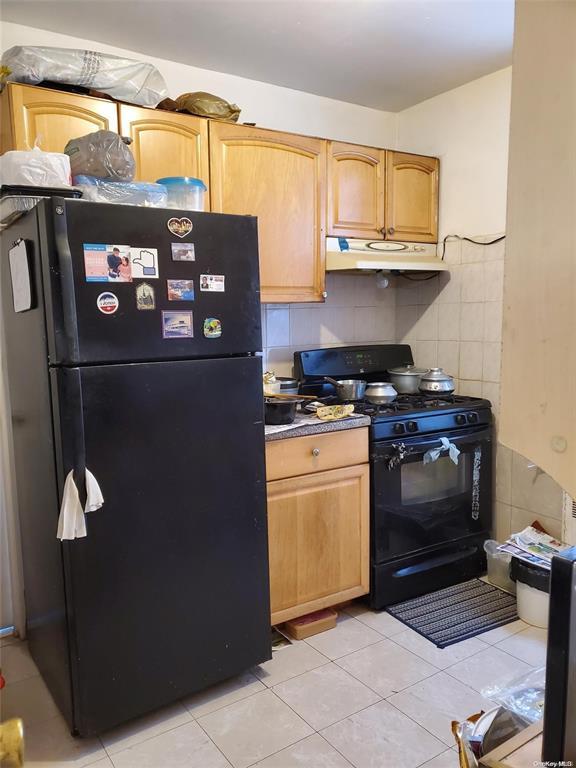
<point x="307" y="425"/>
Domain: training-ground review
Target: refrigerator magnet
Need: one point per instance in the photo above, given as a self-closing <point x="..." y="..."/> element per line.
<point x="144" y="263"/>
<point x="183" y="252"/>
<point x="180" y="290"/>
<point x="213" y="283"/>
<point x="179" y="227"/>
<point x="177" y="325"/>
<point x="212" y="328"/>
<point x="107" y="263"/>
<point x="107" y="303"/>
<point x="145" y="298"/>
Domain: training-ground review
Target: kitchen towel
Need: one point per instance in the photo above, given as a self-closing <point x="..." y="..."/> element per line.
<point x="434" y="453"/>
<point x="71" y="522"/>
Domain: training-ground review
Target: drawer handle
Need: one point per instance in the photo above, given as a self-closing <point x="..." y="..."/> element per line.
<point x="315" y="451"/>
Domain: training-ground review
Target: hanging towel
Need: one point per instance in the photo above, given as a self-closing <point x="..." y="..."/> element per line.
<point x="71" y="522"/>
<point x="434" y="453"/>
<point x="94" y="498"/>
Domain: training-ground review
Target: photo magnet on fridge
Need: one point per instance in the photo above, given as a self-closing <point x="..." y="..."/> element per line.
<point x="145" y="298"/>
<point x="177" y="325"/>
<point x="183" y="252"/>
<point x="144" y="263"/>
<point x="212" y="283"/>
<point x="179" y="227"/>
<point x="180" y="290"/>
<point x="107" y="263"/>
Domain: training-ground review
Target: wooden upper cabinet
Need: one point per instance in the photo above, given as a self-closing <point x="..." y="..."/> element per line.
<point x="356" y="178"/>
<point x="166" y="143"/>
<point x="52" y="117"/>
<point x="411" y="197"/>
<point x="281" y="179"/>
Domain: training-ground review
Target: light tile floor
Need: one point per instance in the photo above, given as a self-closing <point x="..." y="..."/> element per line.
<point x="369" y="694"/>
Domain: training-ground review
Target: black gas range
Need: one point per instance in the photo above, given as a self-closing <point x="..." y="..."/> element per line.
<point x="430" y="469"/>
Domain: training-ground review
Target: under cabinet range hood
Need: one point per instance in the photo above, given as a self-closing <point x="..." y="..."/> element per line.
<point x="351" y="255"/>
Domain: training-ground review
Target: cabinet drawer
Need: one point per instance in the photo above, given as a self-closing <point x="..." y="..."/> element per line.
<point x="316" y="453"/>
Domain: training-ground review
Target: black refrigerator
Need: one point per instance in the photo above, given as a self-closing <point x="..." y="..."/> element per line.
<point x="131" y="336"/>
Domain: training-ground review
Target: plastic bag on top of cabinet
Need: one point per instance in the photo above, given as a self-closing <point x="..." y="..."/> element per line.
<point x="122" y="192"/>
<point x="35" y="168"/>
<point x="208" y="105"/>
<point x="124" y="79"/>
<point x="103" y="154"/>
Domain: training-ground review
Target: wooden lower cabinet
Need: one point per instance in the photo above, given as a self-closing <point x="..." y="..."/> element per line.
<point x="318" y="540"/>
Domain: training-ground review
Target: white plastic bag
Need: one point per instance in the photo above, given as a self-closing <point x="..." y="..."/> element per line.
<point x="35" y="168"/>
<point x="123" y="79"/>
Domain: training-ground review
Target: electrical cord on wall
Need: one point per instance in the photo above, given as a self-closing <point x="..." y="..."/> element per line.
<point x="414" y="279"/>
<point x="469" y="240"/>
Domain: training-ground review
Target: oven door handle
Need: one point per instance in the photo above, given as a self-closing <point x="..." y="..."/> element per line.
<point x="387" y="450"/>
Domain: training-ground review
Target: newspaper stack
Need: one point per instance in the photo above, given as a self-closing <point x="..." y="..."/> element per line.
<point x="534" y="546"/>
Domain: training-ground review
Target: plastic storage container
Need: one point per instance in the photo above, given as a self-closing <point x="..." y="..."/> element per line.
<point x="498" y="566"/>
<point x="122" y="192"/>
<point x="184" y="192"/>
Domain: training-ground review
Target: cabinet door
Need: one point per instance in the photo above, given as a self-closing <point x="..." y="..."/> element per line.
<point x="166" y="143"/>
<point x="356" y="191"/>
<point x="318" y="540"/>
<point x="281" y="179"/>
<point x="411" y="197"/>
<point x="55" y="117"/>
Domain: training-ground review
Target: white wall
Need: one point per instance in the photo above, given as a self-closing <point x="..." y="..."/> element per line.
<point x="268" y="105"/>
<point x="467" y="128"/>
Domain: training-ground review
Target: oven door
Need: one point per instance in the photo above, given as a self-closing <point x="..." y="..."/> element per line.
<point x="417" y="505"/>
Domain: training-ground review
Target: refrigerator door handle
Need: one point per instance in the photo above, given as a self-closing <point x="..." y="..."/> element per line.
<point x="67" y="289"/>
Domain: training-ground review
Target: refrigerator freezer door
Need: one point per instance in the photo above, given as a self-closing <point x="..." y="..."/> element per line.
<point x="139" y="284"/>
<point x="168" y="593"/>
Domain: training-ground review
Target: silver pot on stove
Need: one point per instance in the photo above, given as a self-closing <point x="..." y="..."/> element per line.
<point x="437" y="382"/>
<point x="380" y="392"/>
<point x="406" y="379"/>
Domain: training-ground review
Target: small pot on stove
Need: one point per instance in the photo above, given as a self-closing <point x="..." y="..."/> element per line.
<point x="380" y="392"/>
<point x="436" y="382"/>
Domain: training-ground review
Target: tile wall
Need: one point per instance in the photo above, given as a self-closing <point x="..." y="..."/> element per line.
<point x="525" y="493"/>
<point x="356" y="311"/>
<point x="455" y="320"/>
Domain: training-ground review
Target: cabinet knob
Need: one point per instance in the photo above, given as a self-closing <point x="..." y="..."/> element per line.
<point x="315" y="451"/>
<point x="382" y="230"/>
<point x="391" y="230"/>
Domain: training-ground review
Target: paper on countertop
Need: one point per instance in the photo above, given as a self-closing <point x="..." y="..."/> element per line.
<point x="71" y="521"/>
<point x="304" y="421"/>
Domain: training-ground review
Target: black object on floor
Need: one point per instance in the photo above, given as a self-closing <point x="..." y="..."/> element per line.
<point x="456" y="613"/>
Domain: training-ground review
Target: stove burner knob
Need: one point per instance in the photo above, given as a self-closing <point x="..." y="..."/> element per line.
<point x="412" y="426"/>
<point x="460" y="418"/>
<point x="472" y="418"/>
<point x="399" y="429"/>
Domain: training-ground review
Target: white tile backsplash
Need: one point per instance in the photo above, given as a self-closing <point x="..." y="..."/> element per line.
<point x="278" y="327"/>
<point x="472" y="322"/>
<point x="356" y="311"/>
<point x="471" y="355"/>
<point x="472" y="276"/>
<point x="493" y="280"/>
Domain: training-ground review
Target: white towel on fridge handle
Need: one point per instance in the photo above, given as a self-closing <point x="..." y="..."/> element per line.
<point x="446" y="445"/>
<point x="71" y="522"/>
